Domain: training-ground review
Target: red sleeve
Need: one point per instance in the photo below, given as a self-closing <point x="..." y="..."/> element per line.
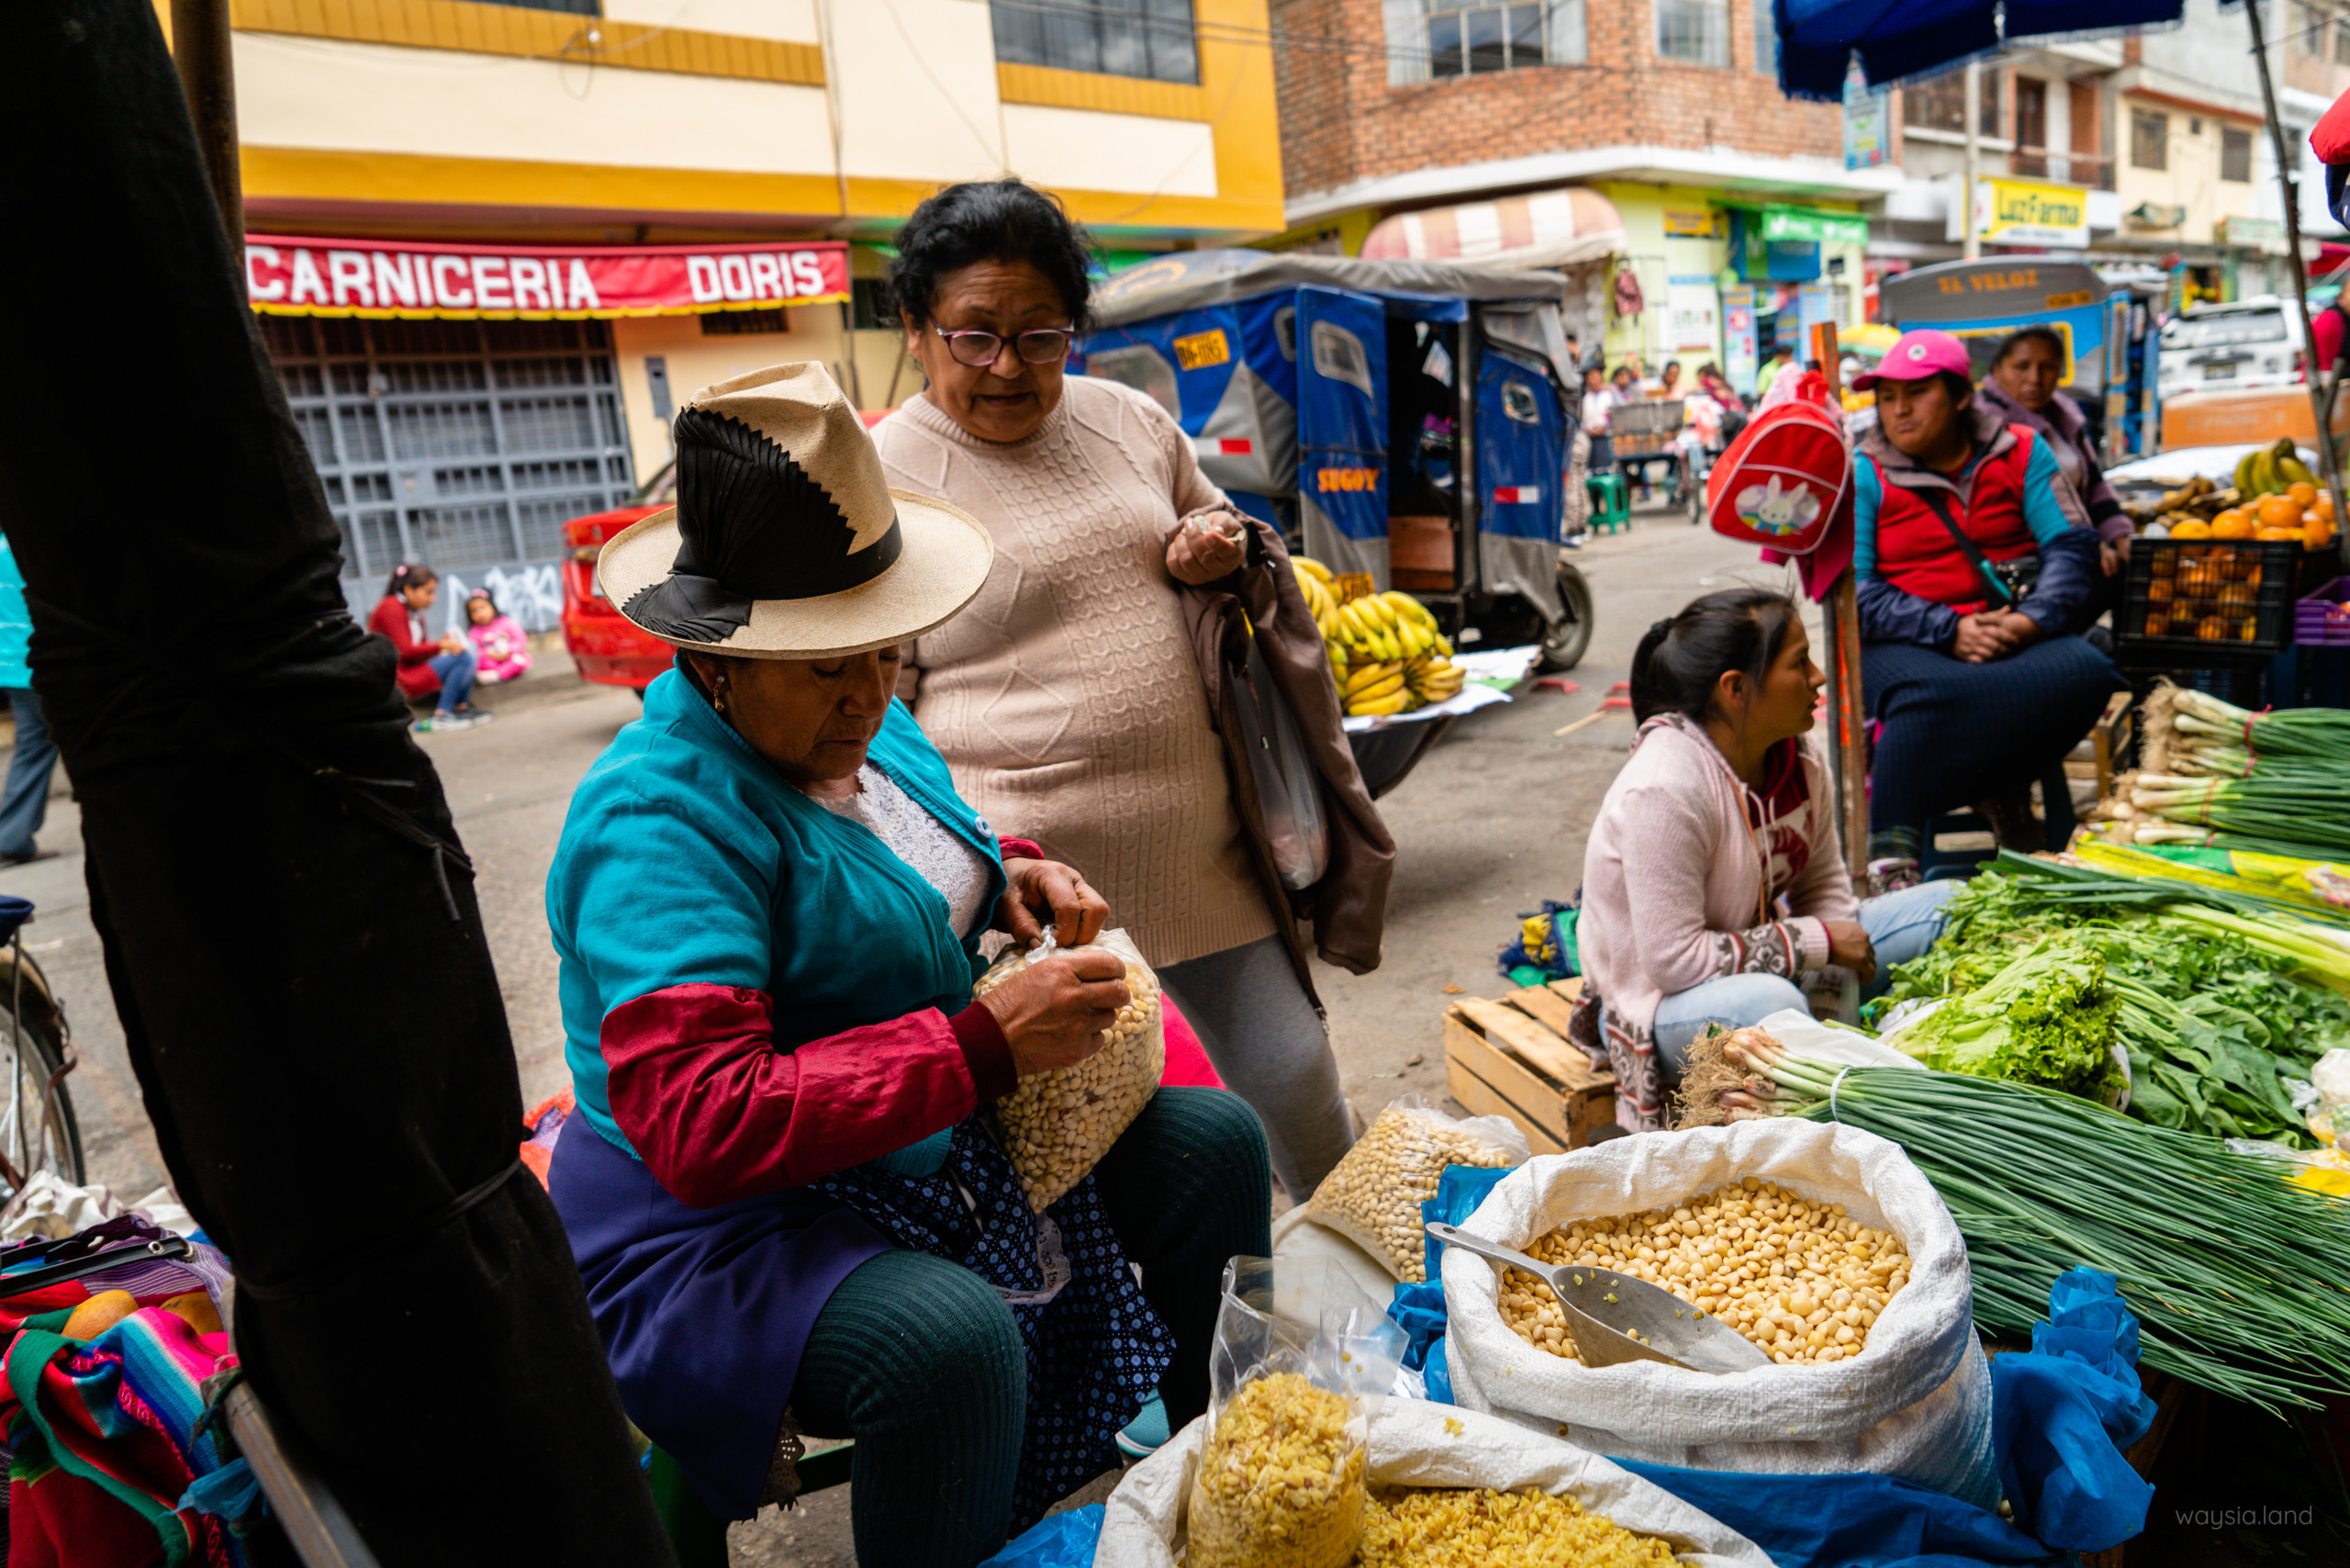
<point x="390" y="619"/>
<point x="718" y="1114"/>
<point x="2326" y="333"/>
<point x="1019" y="849"/>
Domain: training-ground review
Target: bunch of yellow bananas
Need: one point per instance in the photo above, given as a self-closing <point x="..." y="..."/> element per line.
<point x="1386" y="652"/>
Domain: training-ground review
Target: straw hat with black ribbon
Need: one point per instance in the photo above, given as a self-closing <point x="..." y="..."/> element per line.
<point x="785" y="542"/>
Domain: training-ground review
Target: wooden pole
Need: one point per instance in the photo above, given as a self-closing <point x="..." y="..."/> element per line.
<point x="2319" y="377"/>
<point x="1846" y="708"/>
<point x="208" y="71"/>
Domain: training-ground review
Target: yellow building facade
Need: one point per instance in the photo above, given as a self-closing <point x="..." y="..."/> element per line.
<point x="456" y="434"/>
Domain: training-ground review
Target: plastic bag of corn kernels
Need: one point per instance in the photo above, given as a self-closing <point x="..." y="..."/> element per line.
<point x="1301" y="1355"/>
<point x="1414" y="1448"/>
<point x="1373" y="1195"/>
<point x="1058" y="1124"/>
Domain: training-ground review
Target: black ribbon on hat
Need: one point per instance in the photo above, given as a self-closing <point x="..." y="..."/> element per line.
<point x="752" y="524"/>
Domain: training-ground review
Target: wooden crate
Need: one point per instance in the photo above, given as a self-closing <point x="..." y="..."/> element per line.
<point x="1512" y="1058"/>
<point x="1420" y="554"/>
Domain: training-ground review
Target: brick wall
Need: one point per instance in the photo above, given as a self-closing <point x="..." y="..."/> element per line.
<point x="1342" y="122"/>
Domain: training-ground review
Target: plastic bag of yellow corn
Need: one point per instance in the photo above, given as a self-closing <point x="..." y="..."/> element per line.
<point x="1373" y="1195"/>
<point x="1058" y="1124"/>
<point x="1299" y="1354"/>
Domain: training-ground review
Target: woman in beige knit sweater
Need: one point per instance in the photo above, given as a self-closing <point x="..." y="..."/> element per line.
<point x="1068" y="698"/>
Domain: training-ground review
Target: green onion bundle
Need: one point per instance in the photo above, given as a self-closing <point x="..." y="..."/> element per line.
<point x="2240" y="1279"/>
<point x="2218" y="775"/>
<point x="2300" y="809"/>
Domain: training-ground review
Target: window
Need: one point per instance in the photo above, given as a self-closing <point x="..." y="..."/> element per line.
<point x="740" y="323"/>
<point x="2309" y="30"/>
<point x="2342" y="43"/>
<point x="2149" y="139"/>
<point x="1766" y="39"/>
<point x="2235" y="155"/>
<point x="1939" y="102"/>
<point x="1466" y="38"/>
<point x="1151" y="38"/>
<point x="1694" y="31"/>
<point x="869" y="305"/>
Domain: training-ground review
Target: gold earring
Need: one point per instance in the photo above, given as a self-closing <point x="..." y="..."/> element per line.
<point x="718" y="696"/>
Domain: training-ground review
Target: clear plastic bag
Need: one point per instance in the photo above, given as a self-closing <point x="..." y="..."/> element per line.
<point x="1289" y="788"/>
<point x="1058" y="1124"/>
<point x="1300" y="1354"/>
<point x="1374" y="1196"/>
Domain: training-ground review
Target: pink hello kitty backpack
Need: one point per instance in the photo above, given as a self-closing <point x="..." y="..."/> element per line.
<point x="1783" y="480"/>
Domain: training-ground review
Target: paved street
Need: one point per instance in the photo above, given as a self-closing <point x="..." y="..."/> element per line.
<point x="1490" y="823"/>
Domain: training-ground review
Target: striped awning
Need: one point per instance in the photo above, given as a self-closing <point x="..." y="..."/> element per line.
<point x="1549" y="229"/>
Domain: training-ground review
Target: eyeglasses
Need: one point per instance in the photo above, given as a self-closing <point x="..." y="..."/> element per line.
<point x="1041" y="345"/>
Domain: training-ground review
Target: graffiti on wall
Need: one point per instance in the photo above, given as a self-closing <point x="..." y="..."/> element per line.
<point x="532" y="594"/>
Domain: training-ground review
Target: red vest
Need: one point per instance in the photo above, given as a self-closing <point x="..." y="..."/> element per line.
<point x="1916" y="554"/>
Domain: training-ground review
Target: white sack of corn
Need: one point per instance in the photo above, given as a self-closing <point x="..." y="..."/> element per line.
<point x="1916" y="1403"/>
<point x="1413" y="1443"/>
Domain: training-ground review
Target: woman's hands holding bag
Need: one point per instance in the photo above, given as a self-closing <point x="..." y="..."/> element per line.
<point x="1047" y="890"/>
<point x="1055" y="1013"/>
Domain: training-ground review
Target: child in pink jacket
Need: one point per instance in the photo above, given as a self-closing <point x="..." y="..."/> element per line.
<point x="505" y="650"/>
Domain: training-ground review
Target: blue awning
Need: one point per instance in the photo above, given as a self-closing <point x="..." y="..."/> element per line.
<point x="1901" y="39"/>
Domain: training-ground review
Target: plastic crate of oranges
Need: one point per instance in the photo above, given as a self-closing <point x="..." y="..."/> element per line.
<point x="2187" y="599"/>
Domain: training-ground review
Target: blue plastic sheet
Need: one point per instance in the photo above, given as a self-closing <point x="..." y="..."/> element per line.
<point x="1853" y="1521"/>
<point x="1057" y="1540"/>
<point x="2061" y="1416"/>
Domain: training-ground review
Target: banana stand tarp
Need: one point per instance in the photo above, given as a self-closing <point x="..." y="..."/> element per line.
<point x="289" y="927"/>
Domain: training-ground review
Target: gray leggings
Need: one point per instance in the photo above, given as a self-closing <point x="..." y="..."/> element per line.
<point x="1269" y="1046"/>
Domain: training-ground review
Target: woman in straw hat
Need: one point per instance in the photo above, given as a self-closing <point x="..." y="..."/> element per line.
<point x="767" y="902"/>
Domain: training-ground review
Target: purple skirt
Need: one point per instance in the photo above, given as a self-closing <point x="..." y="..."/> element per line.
<point x="704" y="1312"/>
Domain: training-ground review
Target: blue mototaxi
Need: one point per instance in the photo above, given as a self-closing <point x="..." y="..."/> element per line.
<point x="1410" y="422"/>
<point x="1980" y="302"/>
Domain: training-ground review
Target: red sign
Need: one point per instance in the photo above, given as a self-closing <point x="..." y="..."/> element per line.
<point x="368" y="277"/>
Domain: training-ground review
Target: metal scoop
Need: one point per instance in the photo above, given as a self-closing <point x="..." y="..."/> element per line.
<point x="1617" y="1318"/>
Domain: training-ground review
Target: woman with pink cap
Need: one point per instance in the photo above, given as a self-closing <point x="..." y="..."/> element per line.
<point x="1976" y="566"/>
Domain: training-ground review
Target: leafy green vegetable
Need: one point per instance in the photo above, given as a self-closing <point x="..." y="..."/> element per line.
<point x="2047" y="1017"/>
<point x="2214" y="1016"/>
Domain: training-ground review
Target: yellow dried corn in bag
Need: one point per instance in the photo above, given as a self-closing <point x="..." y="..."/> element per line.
<point x="1282" y="1483"/>
<point x="1058" y="1125"/>
<point x="1374" y="1196"/>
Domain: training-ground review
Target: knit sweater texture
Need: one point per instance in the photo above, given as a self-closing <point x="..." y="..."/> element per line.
<point x="1067" y="698"/>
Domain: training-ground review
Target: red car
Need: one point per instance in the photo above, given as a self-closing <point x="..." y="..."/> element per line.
<point x="603" y="645"/>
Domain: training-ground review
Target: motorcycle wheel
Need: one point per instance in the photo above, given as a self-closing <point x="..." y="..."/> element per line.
<point x="1564" y="644"/>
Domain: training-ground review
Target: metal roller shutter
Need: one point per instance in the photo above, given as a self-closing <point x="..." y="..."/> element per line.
<point x="461" y="445"/>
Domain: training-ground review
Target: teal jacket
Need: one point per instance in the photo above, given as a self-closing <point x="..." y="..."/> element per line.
<point x="16" y="621"/>
<point x="757" y="988"/>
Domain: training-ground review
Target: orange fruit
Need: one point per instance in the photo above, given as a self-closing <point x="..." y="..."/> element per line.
<point x="2302" y="492"/>
<point x="2230" y="516"/>
<point x="2278" y="535"/>
<point x="2235" y="525"/>
<point x="2318" y="532"/>
<point x="98" y="1314"/>
<point x="2324" y="502"/>
<point x="2193" y="528"/>
<point x="2279" y="511"/>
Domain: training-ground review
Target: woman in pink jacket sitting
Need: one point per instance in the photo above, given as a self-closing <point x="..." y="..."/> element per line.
<point x="504" y="648"/>
<point x="1713" y="882"/>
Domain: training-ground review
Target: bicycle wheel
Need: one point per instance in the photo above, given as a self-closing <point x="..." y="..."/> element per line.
<point x="26" y="1077"/>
